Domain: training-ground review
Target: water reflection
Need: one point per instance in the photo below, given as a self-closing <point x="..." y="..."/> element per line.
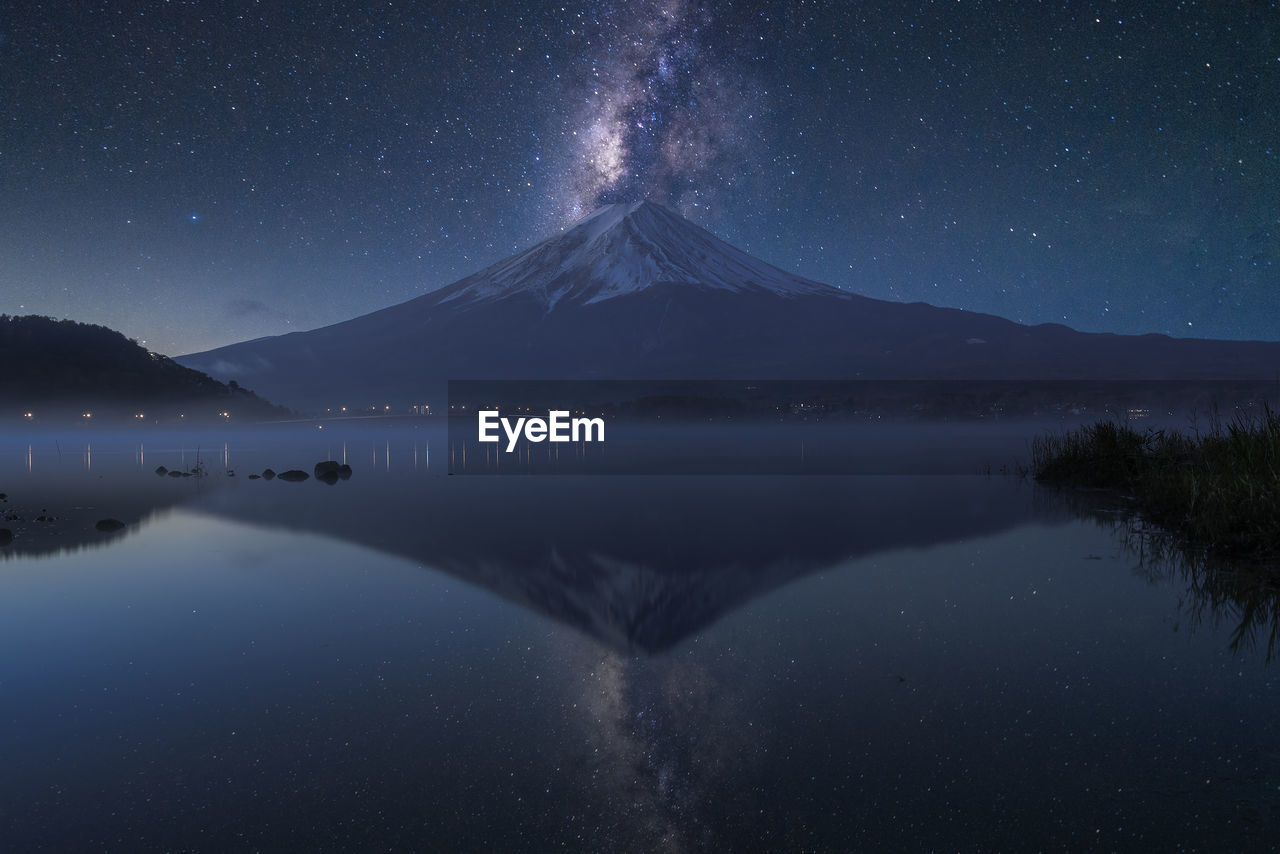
<point x="639" y="563"/>
<point x="1243" y="596"/>
<point x="671" y="663"/>
<point x="1217" y="592"/>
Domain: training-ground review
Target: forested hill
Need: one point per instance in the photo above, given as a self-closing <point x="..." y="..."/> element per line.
<point x="53" y="367"/>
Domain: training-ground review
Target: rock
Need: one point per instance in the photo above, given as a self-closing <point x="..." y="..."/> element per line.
<point x="6" y="536"/>
<point x="255" y="477"/>
<point x="268" y="474"/>
<point x="329" y="477"/>
<point x="4" y="496"/>
<point x="109" y="525"/>
<point x="175" y="473"/>
<point x="161" y="471"/>
<point x="294" y="476"/>
<point x="337" y="469"/>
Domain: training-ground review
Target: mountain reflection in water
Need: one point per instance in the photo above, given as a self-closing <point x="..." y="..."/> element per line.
<point x="639" y="563"/>
<point x="893" y="662"/>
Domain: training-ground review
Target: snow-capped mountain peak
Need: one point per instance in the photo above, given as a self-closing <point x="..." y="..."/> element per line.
<point x="637" y="292"/>
<point x="623" y="249"/>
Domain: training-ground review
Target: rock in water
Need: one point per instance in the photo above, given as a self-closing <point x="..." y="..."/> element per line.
<point x="161" y="471"/>
<point x="294" y="476"/>
<point x="109" y="525"/>
<point x="268" y="474"/>
<point x="330" y="471"/>
<point x="6" y="536"/>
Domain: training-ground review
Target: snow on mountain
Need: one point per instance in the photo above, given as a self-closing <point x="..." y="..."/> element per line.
<point x="636" y="291"/>
<point x="623" y="249"/>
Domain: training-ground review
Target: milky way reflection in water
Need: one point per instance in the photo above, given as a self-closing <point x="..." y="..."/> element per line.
<point x="408" y="659"/>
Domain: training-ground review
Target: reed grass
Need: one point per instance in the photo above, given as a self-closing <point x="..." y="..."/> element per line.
<point x="1219" y="490"/>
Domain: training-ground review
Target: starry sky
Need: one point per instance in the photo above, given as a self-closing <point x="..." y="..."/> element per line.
<point x="199" y="173"/>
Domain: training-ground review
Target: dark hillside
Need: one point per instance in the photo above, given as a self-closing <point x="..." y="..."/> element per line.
<point x="61" y="366"/>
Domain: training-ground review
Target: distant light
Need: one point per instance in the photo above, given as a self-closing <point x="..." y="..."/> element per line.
<point x="28" y="415"/>
<point x="88" y="415"/>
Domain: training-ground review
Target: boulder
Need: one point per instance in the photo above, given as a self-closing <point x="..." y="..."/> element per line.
<point x="294" y="476"/>
<point x="268" y="474"/>
<point x="329" y="477"/>
<point x="161" y="471"/>
<point x="327" y="466"/>
<point x="337" y="469"/>
<point x="175" y="473"/>
<point x="106" y="526"/>
<point x="255" y="477"/>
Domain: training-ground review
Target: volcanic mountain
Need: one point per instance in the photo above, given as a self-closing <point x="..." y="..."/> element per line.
<point x="635" y="291"/>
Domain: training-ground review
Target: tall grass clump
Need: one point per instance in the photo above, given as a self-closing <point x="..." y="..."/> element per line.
<point x="1219" y="490"/>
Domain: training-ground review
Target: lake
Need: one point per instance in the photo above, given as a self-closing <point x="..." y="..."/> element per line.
<point x="924" y="655"/>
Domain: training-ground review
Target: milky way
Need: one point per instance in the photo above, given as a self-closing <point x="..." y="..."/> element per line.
<point x="662" y="114"/>
<point x="197" y="173"/>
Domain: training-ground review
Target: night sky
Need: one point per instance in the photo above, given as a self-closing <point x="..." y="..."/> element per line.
<point x="198" y="173"/>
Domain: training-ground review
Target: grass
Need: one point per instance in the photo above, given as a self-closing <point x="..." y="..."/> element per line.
<point x="1219" y="491"/>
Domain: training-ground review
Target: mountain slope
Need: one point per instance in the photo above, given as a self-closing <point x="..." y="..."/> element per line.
<point x="53" y="367"/>
<point x="621" y="250"/>
<point x="636" y="291"/>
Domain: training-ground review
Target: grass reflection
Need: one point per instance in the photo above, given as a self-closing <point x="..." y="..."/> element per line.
<point x="1218" y="590"/>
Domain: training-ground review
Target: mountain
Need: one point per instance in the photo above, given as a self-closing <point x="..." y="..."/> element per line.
<point x="52" y="368"/>
<point x="637" y="291"/>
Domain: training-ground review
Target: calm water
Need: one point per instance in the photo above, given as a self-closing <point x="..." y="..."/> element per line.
<point x="410" y="660"/>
